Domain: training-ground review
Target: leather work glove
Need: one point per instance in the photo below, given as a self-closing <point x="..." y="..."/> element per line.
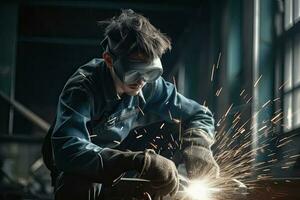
<point x="116" y="162"/>
<point x="197" y="155"/>
<point x="199" y="162"/>
<point x="161" y="172"/>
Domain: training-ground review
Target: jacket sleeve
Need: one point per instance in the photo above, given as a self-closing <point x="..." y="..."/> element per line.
<point x="197" y="120"/>
<point x="73" y="151"/>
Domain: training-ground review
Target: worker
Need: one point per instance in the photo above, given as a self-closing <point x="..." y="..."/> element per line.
<point x="102" y="101"/>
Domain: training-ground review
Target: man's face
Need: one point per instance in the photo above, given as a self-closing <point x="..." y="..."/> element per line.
<point x="134" y="88"/>
<point x="131" y="89"/>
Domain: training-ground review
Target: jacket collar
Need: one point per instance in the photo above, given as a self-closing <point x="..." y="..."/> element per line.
<point x="108" y="85"/>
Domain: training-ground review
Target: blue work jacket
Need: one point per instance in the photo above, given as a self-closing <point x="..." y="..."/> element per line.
<point x="91" y="116"/>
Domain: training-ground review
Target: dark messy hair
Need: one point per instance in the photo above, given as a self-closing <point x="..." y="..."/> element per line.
<point x="137" y="29"/>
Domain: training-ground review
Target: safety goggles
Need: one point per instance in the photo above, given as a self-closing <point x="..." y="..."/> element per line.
<point x="131" y="71"/>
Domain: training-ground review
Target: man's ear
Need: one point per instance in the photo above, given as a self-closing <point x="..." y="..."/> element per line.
<point x="107" y="58"/>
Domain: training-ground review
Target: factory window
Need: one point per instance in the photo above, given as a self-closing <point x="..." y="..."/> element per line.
<point x="291" y="78"/>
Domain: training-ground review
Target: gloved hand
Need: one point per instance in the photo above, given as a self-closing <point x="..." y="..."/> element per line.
<point x="116" y="162"/>
<point x="199" y="162"/>
<point x="161" y="172"/>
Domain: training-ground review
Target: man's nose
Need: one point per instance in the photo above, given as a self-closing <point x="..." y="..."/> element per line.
<point x="141" y="81"/>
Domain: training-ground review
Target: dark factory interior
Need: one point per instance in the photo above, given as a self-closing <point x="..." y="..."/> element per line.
<point x="239" y="58"/>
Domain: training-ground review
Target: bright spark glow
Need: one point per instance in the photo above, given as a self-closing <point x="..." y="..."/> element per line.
<point x="200" y="190"/>
<point x="256" y="82"/>
<point x="219" y="58"/>
<point x="141" y="110"/>
<point x="212" y="73"/>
